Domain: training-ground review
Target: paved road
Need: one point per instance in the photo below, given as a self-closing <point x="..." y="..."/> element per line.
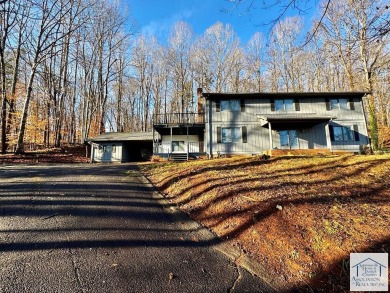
<point x="91" y="228"/>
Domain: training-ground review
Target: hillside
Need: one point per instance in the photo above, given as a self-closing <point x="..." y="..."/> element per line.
<point x="299" y="216"/>
<point x="66" y="154"/>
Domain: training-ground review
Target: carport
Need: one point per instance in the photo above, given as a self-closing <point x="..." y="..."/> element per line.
<point x="121" y="147"/>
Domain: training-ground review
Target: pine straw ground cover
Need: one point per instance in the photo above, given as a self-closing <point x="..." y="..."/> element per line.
<point x="327" y="208"/>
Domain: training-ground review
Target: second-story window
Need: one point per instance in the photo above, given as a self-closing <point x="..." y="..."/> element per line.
<point x="338" y="104"/>
<point x="230" y="105"/>
<point x="285" y="105"/>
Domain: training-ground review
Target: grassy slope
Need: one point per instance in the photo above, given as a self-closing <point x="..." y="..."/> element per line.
<point x="331" y="206"/>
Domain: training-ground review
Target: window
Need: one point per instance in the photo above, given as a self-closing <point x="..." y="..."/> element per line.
<point x="100" y="149"/>
<point x="114" y="148"/>
<point x="177" y="146"/>
<point x="107" y="149"/>
<point x="232" y="134"/>
<point x="342" y="133"/>
<point x="335" y="104"/>
<point x="288" y="138"/>
<point x="285" y="105"/>
<point x="230" y="105"/>
<point x="235" y="105"/>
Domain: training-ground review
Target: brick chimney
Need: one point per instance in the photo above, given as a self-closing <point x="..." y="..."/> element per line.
<point x="201" y="109"/>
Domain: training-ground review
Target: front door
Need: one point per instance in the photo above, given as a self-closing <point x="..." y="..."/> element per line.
<point x="288" y="139"/>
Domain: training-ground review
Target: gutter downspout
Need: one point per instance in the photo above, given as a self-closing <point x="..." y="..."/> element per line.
<point x="365" y="124"/>
<point x="210" y="128"/>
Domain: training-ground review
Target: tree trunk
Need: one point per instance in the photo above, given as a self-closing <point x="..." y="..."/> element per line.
<point x="20" y="145"/>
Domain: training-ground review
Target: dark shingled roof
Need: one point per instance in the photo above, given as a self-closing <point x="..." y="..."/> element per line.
<point x="303" y="116"/>
<point x="282" y="95"/>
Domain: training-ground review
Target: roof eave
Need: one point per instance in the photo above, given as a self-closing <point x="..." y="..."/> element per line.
<point x="283" y="94"/>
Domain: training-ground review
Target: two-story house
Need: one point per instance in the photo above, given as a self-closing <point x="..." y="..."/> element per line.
<point x="254" y="123"/>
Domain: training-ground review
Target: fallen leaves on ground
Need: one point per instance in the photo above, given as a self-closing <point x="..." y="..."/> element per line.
<point x="66" y="154"/>
<point x="299" y="216"/>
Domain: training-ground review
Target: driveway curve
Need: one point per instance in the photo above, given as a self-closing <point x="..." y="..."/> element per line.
<point x="101" y="228"/>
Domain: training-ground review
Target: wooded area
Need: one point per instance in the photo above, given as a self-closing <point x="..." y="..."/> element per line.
<point x="71" y="69"/>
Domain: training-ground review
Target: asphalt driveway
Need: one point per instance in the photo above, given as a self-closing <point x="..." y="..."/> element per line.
<point x="101" y="228"/>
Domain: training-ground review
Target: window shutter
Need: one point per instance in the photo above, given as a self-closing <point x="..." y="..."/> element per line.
<point x="297" y="106"/>
<point x="327" y="104"/>
<point x="219" y="135"/>
<point x="244" y="135"/>
<point x="331" y="132"/>
<point x="242" y="103"/>
<point x="356" y="132"/>
<point x="351" y="104"/>
<point x="218" y="106"/>
<point x="272" y="105"/>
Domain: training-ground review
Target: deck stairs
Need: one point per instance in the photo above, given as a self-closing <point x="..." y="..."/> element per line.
<point x="178" y="157"/>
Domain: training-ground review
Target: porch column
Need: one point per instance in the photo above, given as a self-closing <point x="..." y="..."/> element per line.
<point x="154" y="146"/>
<point x="271" y="146"/>
<point x="328" y="140"/>
<point x="92" y="152"/>
<point x="171" y="150"/>
<point x="188" y="144"/>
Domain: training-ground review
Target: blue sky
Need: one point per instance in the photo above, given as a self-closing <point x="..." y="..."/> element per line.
<point x="157" y="16"/>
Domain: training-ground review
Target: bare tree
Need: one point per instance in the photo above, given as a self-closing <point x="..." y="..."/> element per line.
<point x="218" y="45"/>
<point x="45" y="36"/>
<point x="284" y="49"/>
<point x="254" y="53"/>
<point x="180" y="43"/>
<point x="8" y="20"/>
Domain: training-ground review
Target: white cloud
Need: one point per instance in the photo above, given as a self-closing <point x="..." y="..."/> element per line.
<point x="160" y="28"/>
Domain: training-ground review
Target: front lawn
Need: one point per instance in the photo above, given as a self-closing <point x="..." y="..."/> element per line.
<point x="298" y="216"/>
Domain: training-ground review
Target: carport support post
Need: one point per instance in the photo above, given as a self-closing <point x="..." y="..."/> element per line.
<point x="188" y="144"/>
<point x="171" y="141"/>
<point x="153" y="140"/>
<point x="92" y="152"/>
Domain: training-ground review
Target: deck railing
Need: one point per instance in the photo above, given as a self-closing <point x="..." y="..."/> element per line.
<point x="178" y="118"/>
<point x="190" y="148"/>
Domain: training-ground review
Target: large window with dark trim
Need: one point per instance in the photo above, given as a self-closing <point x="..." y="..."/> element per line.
<point x="231" y="134"/>
<point x="230" y="105"/>
<point x="233" y="105"/>
<point x="344" y="133"/>
<point x="285" y="105"/>
<point x="340" y="103"/>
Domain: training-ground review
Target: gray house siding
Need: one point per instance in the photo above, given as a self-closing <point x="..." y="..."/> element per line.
<point x="107" y="152"/>
<point x="312" y="121"/>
